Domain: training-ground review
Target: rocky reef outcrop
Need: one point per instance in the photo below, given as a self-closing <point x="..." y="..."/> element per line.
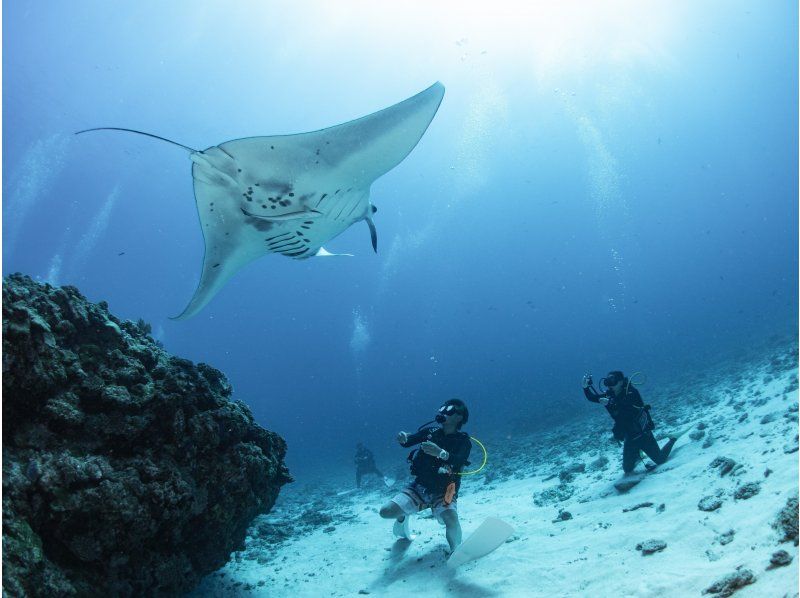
<point x="126" y="471"/>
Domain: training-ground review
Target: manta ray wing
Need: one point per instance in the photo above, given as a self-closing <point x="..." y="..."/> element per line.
<point x="291" y="194"/>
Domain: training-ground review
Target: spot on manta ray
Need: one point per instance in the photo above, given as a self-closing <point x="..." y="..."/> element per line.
<point x="291" y="194"/>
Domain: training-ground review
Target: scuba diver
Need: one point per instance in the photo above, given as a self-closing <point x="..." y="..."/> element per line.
<point x="442" y="454"/>
<point x="365" y="463"/>
<point x="632" y="421"/>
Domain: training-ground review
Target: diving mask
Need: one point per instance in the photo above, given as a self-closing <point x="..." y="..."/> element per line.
<point x="444" y="411"/>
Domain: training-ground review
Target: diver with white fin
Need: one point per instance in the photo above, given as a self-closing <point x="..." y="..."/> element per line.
<point x="436" y="465"/>
<point x="632" y="422"/>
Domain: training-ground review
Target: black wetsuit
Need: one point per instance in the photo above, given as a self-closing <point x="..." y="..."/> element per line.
<point x="632" y="424"/>
<point x="365" y="463"/>
<point x="425" y="467"/>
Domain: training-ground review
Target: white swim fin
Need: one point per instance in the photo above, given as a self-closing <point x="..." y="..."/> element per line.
<point x="489" y="536"/>
<point x="402" y="529"/>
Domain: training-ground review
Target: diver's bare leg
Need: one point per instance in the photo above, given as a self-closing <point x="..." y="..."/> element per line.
<point x="453" y="529"/>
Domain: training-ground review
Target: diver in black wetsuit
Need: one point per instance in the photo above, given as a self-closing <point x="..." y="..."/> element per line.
<point x="632" y="421"/>
<point x="365" y="463"/>
<point x="443" y="453"/>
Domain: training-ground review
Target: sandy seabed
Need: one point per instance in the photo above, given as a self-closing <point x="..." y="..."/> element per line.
<point x="741" y="453"/>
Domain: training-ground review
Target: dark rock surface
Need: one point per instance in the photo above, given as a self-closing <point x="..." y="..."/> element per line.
<point x="568" y="474"/>
<point x="651" y="546"/>
<point x="697" y="434"/>
<point x="563" y="516"/>
<point x="641" y="505"/>
<point x="126" y="471"/>
<point x="726" y="537"/>
<point x="769" y="418"/>
<point x="724" y="464"/>
<point x="726" y="586"/>
<point x="626" y="483"/>
<point x="786" y="521"/>
<point x="780" y="558"/>
<point x="709" y="503"/>
<point x="748" y="490"/>
<point x="554" y="495"/>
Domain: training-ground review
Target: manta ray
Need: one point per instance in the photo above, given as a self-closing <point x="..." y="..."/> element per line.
<point x="291" y="194"/>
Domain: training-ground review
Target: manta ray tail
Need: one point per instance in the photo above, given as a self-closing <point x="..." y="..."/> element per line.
<point x="191" y="149"/>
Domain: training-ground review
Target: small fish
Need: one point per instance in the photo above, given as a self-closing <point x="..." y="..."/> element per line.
<point x="121" y="253"/>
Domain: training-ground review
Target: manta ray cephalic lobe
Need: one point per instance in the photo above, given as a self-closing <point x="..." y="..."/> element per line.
<point x="291" y="194"/>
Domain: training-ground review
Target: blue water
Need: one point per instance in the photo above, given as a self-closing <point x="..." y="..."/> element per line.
<point x="605" y="186"/>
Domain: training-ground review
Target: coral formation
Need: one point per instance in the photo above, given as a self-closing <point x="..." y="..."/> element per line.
<point x="126" y="471"/>
<point x="786" y="520"/>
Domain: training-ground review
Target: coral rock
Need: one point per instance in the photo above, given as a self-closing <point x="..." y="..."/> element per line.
<point x="709" y="503"/>
<point x="724" y="464"/>
<point x="651" y="546"/>
<point x="780" y="558"/>
<point x="746" y="491"/>
<point x="727" y="585"/>
<point x="126" y="471"/>
<point x="786" y="521"/>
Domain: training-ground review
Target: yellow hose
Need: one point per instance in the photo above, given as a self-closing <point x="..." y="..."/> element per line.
<point x="630" y="380"/>
<point x="485" y="458"/>
<point x="634" y="374"/>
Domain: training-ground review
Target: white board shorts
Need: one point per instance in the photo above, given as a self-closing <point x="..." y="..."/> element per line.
<point x="415" y="498"/>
